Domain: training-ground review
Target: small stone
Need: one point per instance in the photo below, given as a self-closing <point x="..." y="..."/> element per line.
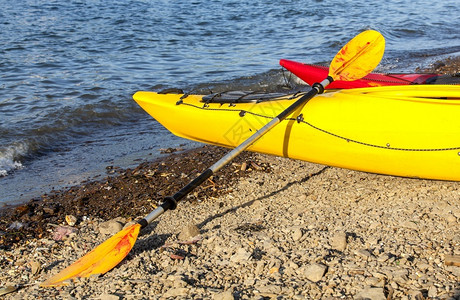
<point x="371" y="293"/>
<point x="415" y="295"/>
<point x="302" y="198"/>
<point x="383" y="257"/>
<point x="15" y="225"/>
<point x="70" y="220"/>
<point x="49" y="210"/>
<point x="339" y="241"/>
<point x="409" y="225"/>
<point x="240" y="255"/>
<point x="259" y="268"/>
<point x="269" y="289"/>
<point x="188" y="232"/>
<point x="62" y="232"/>
<point x="256" y="204"/>
<point x="452" y="260"/>
<point x="176" y="292"/>
<point x="314" y="272"/>
<point x="35" y="267"/>
<point x="400" y="275"/>
<point x="454" y="270"/>
<point x="432" y="291"/>
<point x="108" y="297"/>
<point x="7" y="289"/>
<point x="297" y="234"/>
<point x="129" y="223"/>
<point x="451" y="219"/>
<point x="363" y="254"/>
<point x="226" y="295"/>
<point x="110" y="227"/>
<point x="375" y="282"/>
<point x="22" y="210"/>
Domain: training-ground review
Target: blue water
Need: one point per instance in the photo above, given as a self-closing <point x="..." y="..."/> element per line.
<point x="68" y="69"/>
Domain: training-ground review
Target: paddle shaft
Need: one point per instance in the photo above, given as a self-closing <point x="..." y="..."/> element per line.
<point x="171" y="201"/>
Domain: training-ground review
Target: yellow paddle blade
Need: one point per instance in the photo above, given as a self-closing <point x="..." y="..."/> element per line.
<point x="101" y="259"/>
<point x="358" y="57"/>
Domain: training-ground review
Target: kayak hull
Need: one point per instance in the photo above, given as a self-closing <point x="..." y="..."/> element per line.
<point x="409" y="131"/>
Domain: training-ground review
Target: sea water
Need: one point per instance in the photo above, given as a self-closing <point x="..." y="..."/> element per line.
<point x="68" y="69"/>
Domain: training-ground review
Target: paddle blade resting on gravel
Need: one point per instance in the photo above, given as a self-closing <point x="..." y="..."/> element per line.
<point x="100" y="260"/>
<point x="368" y="47"/>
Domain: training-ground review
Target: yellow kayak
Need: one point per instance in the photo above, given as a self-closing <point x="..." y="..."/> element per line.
<point x="410" y="131"/>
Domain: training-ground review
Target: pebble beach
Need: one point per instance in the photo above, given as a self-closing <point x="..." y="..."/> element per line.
<point x="264" y="228"/>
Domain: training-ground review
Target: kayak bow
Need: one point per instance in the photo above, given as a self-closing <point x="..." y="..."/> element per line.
<point x="410" y="131"/>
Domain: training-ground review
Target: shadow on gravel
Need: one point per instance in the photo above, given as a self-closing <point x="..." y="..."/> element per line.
<point x="150" y="243"/>
<point x="156" y="241"/>
<point x="249" y="203"/>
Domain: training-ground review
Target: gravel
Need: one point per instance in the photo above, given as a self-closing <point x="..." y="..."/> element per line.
<point x="286" y="230"/>
<point x="301" y="231"/>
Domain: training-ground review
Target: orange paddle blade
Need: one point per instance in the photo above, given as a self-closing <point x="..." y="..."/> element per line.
<point x="101" y="259"/>
<point x="358" y="57"/>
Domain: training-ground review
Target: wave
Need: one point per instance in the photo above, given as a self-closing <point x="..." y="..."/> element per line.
<point x="10" y="158"/>
<point x="54" y="129"/>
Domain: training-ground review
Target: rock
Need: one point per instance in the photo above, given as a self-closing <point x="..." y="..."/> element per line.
<point x="290" y="267"/>
<point x="49" y="210"/>
<point x="240" y="256"/>
<point x="432" y="292"/>
<point x="7" y="289"/>
<point x="450" y="218"/>
<point x="226" y="295"/>
<point x="375" y="282"/>
<point x="454" y="270"/>
<point x="129" y="224"/>
<point x="188" y="232"/>
<point x="22" y="210"/>
<point x="35" y="267"/>
<point x="452" y="260"/>
<point x="415" y="295"/>
<point x="363" y="254"/>
<point x="338" y="241"/>
<point x="313" y="272"/>
<point x="371" y="293"/>
<point x="110" y="227"/>
<point x="62" y="232"/>
<point x="256" y="204"/>
<point x="108" y="297"/>
<point x="15" y="225"/>
<point x="274" y="270"/>
<point x="383" y="257"/>
<point x="400" y="275"/>
<point x="269" y="289"/>
<point x="176" y="292"/>
<point x="409" y="225"/>
<point x="71" y="220"/>
<point x="259" y="268"/>
<point x="297" y="234"/>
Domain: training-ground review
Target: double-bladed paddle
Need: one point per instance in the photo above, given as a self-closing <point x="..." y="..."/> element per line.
<point x="355" y="60"/>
